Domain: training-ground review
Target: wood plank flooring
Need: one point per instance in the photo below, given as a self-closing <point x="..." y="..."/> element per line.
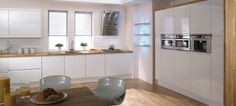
<point x="140" y="93"/>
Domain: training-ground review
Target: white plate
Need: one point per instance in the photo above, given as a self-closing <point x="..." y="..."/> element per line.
<point x="33" y="100"/>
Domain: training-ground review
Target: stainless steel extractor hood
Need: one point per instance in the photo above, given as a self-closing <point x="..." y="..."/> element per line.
<point x="110" y="23"/>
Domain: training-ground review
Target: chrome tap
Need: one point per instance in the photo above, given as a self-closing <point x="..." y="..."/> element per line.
<point x="9" y="46"/>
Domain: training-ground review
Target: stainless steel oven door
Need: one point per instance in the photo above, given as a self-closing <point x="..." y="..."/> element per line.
<point x="167" y="43"/>
<point x="182" y="44"/>
<point x="201" y="45"/>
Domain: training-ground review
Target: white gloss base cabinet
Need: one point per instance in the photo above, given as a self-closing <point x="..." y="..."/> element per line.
<point x="24" y="69"/>
<point x="21" y="63"/>
<point x="75" y="66"/>
<point x="95" y="65"/>
<point x="53" y="65"/>
<point x="119" y="64"/>
<point x="23" y="76"/>
<point x="4" y="65"/>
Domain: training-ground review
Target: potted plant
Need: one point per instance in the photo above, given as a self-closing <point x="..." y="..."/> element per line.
<point x="84" y="45"/>
<point x="59" y="46"/>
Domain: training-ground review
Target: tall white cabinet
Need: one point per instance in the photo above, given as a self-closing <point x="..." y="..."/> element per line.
<point x="182" y="70"/>
<point x="200" y="17"/>
<point x="197" y="75"/>
<point x="200" y="75"/>
<point x="166" y="68"/>
<point x="182" y="19"/>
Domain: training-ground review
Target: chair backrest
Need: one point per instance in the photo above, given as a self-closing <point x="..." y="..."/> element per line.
<point x="111" y="83"/>
<point x="57" y="82"/>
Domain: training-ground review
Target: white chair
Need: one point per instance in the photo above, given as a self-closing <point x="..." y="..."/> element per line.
<point x="57" y="82"/>
<point x="111" y="90"/>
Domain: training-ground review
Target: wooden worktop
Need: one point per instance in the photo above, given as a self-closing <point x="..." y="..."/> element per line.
<point x="63" y="53"/>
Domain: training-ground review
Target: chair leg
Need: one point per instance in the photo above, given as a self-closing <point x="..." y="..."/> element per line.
<point x="119" y="100"/>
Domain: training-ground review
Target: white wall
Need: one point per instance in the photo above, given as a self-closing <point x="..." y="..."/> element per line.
<point x="42" y="43"/>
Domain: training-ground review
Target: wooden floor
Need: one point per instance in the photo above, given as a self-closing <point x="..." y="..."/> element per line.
<point x="140" y="93"/>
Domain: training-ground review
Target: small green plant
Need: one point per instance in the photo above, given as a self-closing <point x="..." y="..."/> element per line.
<point x="59" y="45"/>
<point x="83" y="44"/>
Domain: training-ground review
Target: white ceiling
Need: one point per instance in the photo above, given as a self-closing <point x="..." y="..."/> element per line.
<point x="103" y="1"/>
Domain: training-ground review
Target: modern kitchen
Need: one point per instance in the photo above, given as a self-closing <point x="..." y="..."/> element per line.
<point x="112" y="52"/>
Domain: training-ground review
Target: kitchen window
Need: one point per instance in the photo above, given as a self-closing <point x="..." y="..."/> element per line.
<point x="58" y="29"/>
<point x="83" y="29"/>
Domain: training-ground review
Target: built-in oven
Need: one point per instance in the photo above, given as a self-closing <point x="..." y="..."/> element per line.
<point x="167" y="41"/>
<point x="201" y="43"/>
<point x="182" y="42"/>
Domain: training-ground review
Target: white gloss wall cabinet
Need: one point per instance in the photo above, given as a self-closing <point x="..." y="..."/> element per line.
<point x="23" y="76"/>
<point x="3" y="65"/>
<point x="166" y="68"/>
<point x="118" y="64"/>
<point x="22" y="63"/>
<point x="20" y="23"/>
<point x="75" y="66"/>
<point x="182" y="19"/>
<point x="3" y="22"/>
<point x="25" y="23"/>
<point x="182" y="70"/>
<point x="200" y="82"/>
<point x="200" y="17"/>
<point x="95" y="65"/>
<point x="53" y="65"/>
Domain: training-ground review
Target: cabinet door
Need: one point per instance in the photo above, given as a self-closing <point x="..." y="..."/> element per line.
<point x="20" y="63"/>
<point x="182" y="70"/>
<point x="182" y="19"/>
<point x="75" y="66"/>
<point x="217" y="90"/>
<point x="200" y="70"/>
<point x="200" y="17"/>
<point x="53" y="65"/>
<point x="118" y="64"/>
<point x="3" y="23"/>
<point x="217" y="11"/>
<point x="24" y="76"/>
<point x="95" y="65"/>
<point x="25" y="23"/>
<point x="167" y="21"/>
<point x="166" y="68"/>
<point x="158" y="17"/>
<point x="3" y="65"/>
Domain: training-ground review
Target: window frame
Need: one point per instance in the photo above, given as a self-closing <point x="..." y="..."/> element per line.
<point x="83" y="12"/>
<point x="58" y="11"/>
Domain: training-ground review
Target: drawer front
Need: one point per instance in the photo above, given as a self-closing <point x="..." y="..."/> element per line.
<point x="24" y="63"/>
<point x="24" y="76"/>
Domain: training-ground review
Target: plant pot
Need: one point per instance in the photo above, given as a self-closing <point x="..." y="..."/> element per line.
<point x="59" y="48"/>
<point x="84" y="47"/>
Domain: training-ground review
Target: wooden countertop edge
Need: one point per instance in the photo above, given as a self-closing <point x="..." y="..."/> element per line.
<point x="58" y="54"/>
